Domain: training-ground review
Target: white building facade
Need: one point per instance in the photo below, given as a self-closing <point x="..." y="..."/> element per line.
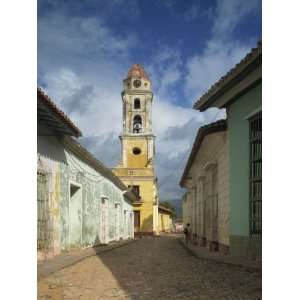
<point x="206" y="201"/>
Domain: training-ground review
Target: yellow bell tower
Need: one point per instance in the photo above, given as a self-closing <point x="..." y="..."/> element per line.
<point x="136" y="168"/>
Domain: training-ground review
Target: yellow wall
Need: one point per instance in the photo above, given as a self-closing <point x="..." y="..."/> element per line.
<point x="140" y="160"/>
<point x="137" y="172"/>
<point x="164" y="222"/>
<point x="146" y="208"/>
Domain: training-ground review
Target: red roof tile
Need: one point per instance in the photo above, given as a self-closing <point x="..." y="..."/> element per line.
<point x="50" y="104"/>
<point x="138" y="71"/>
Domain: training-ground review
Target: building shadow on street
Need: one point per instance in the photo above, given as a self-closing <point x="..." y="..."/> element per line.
<point x="160" y="268"/>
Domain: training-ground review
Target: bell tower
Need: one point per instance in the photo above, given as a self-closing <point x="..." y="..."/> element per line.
<point x="136" y="167"/>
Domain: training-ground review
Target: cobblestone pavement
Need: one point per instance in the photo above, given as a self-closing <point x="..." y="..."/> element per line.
<point x="151" y="268"/>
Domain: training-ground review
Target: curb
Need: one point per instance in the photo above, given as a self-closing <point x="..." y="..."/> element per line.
<point x="195" y="254"/>
<point x="79" y="259"/>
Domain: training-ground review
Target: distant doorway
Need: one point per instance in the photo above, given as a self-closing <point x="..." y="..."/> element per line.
<point x="104" y="221"/>
<point x="75" y="216"/>
<point x="137" y="221"/>
<point x="117" y="221"/>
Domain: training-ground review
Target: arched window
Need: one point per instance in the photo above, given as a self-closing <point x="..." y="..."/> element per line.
<point x="137" y="103"/>
<point x="137" y="124"/>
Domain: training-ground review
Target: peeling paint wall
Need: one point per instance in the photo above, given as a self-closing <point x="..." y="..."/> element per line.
<point x="64" y="170"/>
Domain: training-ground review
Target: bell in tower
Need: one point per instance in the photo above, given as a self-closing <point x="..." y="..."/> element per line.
<point x="137" y="124"/>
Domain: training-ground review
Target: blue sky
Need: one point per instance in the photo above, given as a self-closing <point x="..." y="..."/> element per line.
<point x="86" y="47"/>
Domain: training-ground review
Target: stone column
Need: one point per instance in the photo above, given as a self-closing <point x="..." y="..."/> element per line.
<point x="202" y="211"/>
<point x="210" y="170"/>
<point x="195" y="214"/>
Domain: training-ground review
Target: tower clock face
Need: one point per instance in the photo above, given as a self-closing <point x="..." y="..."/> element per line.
<point x="137" y="83"/>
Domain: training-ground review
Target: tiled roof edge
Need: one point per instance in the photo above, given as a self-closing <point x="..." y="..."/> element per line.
<point x="164" y="208"/>
<point x="49" y="103"/>
<point x="78" y="149"/>
<point x="251" y="56"/>
<point x="220" y="125"/>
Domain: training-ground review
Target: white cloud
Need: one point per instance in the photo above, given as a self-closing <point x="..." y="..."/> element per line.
<point x="165" y="69"/>
<point x="81" y="44"/>
<point x="82" y="63"/>
<point x="221" y="52"/>
<point x="101" y="116"/>
<point x="101" y="121"/>
<point x="229" y="13"/>
<point x="205" y="69"/>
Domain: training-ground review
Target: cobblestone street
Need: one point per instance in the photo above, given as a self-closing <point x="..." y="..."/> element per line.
<point x="151" y="268"/>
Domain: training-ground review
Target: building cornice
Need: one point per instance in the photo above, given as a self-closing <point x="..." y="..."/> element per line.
<point x="135" y="136"/>
<point x="137" y="92"/>
<point x="50" y="114"/>
<point x="141" y="178"/>
<point x="218" y="126"/>
<point x="241" y="78"/>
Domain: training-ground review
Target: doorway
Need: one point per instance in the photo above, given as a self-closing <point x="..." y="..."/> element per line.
<point x="117" y="221"/>
<point x="75" y="216"/>
<point x="137" y="220"/>
<point x="104" y="221"/>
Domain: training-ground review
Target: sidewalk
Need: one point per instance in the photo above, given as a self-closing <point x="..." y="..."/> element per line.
<point x="58" y="262"/>
<point x="204" y="253"/>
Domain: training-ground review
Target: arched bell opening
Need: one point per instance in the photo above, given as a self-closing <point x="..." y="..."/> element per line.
<point x="137" y="124"/>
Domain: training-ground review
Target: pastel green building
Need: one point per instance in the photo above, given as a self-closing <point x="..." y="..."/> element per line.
<point x="240" y="92"/>
<point x="80" y="202"/>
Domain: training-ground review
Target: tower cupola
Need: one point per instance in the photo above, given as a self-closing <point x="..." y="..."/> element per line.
<point x="137" y="79"/>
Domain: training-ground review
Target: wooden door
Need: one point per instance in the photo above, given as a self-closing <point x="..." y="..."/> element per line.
<point x="137" y="221"/>
<point x="104" y="221"/>
<point x="117" y="221"/>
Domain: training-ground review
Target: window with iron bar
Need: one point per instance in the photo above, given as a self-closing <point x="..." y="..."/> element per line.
<point x="255" y="163"/>
<point x="43" y="236"/>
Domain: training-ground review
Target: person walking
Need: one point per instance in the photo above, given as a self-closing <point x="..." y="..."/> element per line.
<point x="187" y="232"/>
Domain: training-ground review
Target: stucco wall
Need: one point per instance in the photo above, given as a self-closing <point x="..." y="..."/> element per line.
<point x="164" y="222"/>
<point x="213" y="154"/>
<point x="186" y="208"/>
<point x="238" y="130"/>
<point x="65" y="169"/>
<point x="147" y="207"/>
<point x="223" y="193"/>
